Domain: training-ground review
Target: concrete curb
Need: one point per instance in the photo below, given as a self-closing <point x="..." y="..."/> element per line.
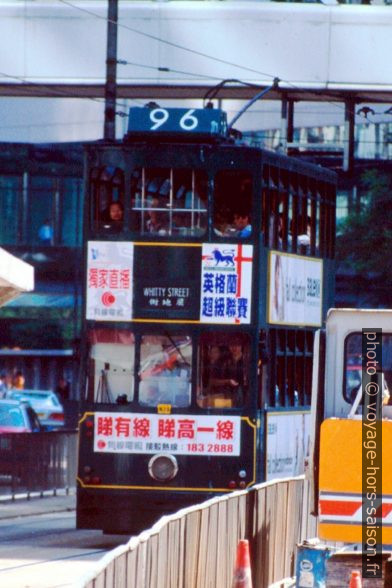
<point x="36" y="503"/>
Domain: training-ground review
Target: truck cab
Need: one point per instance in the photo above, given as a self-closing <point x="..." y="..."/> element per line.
<point x="351" y="432"/>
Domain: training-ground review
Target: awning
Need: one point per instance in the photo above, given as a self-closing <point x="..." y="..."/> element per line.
<point x="16" y="276"/>
<point x="43" y="300"/>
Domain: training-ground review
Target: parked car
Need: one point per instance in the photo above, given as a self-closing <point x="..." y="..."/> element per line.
<point x="18" y="417"/>
<point x="45" y="403"/>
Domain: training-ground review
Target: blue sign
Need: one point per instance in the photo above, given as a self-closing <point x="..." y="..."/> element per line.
<point x="210" y="121"/>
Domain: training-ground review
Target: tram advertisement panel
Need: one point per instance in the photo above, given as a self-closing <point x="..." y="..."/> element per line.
<point x="206" y="283"/>
<point x="295" y="290"/>
<point x="178" y="434"/>
<point x="226" y="283"/>
<point x="109" y="281"/>
<point x="288" y="438"/>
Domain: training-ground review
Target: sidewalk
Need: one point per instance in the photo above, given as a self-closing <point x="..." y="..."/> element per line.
<point x="22" y="506"/>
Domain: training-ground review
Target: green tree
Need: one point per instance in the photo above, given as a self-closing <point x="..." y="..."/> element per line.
<point x="365" y="239"/>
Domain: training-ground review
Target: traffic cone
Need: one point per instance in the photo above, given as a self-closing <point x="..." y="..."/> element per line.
<point x="242" y="572"/>
<point x="355" y="579"/>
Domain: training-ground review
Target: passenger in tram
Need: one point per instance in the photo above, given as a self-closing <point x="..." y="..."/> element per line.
<point x="235" y="374"/>
<point x="213" y="378"/>
<point x="222" y="226"/>
<point x="224" y="375"/>
<point x="242" y="224"/>
<point x="155" y="223"/>
<point x="113" y="216"/>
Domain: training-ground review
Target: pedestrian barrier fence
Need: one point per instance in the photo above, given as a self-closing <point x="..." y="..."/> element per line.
<point x="196" y="547"/>
<point x="37" y="462"/>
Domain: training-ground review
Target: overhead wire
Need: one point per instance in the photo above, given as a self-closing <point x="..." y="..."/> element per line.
<point x="197" y="52"/>
<point x="166" y="69"/>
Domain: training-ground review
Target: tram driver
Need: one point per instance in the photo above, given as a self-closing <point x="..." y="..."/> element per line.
<point x="224" y="378"/>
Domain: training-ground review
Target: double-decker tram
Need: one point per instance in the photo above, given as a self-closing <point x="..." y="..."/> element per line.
<point x="208" y="267"/>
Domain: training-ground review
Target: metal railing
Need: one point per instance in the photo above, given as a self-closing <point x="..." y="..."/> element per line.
<point x="196" y="547"/>
<point x="37" y="462"/>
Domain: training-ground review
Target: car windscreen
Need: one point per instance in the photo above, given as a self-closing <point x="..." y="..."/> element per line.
<point x="11" y="415"/>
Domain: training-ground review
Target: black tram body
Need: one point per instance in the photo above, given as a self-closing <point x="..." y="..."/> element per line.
<point x="162" y="425"/>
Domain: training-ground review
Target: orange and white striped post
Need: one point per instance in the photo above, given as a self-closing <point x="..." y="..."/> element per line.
<point x="355" y="579"/>
<point x="242" y="571"/>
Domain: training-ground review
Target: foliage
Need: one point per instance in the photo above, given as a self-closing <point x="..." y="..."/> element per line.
<point x="364" y="244"/>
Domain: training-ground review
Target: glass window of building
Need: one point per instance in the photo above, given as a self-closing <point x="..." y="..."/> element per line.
<point x="10" y="191"/>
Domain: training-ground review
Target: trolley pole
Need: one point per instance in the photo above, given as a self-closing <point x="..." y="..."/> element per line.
<point x="109" y="132"/>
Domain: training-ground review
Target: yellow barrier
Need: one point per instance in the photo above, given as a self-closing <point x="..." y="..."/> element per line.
<point x="340" y="504"/>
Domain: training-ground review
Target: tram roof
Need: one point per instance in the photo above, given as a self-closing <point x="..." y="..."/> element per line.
<point x="288" y="162"/>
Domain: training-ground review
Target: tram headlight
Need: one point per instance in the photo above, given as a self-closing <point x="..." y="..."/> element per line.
<point x="163" y="467"/>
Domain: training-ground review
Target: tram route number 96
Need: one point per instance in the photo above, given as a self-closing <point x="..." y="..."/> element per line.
<point x="198" y="120"/>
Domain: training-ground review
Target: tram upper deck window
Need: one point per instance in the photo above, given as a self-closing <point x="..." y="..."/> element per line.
<point x="107" y="197"/>
<point x="167" y="201"/>
<point x="233" y="204"/>
<point x="165" y="370"/>
<point x="111" y="366"/>
<point x="223" y="370"/>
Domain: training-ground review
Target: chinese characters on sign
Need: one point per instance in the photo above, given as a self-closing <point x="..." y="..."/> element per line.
<point x="295" y="289"/>
<point x="109" y="281"/>
<point x="166" y="297"/>
<point x="226" y="283"/>
<point x="177" y="434"/>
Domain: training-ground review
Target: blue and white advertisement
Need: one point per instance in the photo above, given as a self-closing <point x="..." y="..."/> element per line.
<point x="226" y="283"/>
<point x="295" y="290"/>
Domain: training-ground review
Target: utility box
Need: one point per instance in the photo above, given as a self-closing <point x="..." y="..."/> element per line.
<point x="311" y="564"/>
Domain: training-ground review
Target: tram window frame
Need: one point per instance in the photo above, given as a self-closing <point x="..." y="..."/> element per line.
<point x="290" y="364"/>
<point x="229" y="203"/>
<point x="216" y="388"/>
<point x="113" y="344"/>
<point x="165" y="374"/>
<point x="283" y="224"/>
<point x="107" y="186"/>
<point x="161" y="195"/>
<point x="356" y="350"/>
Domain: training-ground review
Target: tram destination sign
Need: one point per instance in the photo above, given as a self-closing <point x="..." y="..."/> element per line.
<point x="207" y="121"/>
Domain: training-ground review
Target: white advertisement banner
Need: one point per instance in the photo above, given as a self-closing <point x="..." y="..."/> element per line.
<point x="226" y="283"/>
<point x="124" y="432"/>
<point x="109" y="281"/>
<point x="295" y="290"/>
<point x="288" y="438"/>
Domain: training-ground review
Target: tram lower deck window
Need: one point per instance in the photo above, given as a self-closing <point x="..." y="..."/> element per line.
<point x="165" y="370"/>
<point x="223" y="370"/>
<point x="111" y="366"/>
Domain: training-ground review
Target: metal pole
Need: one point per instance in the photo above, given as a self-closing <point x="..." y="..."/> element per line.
<point x="349" y="130"/>
<point x="109" y="132"/>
